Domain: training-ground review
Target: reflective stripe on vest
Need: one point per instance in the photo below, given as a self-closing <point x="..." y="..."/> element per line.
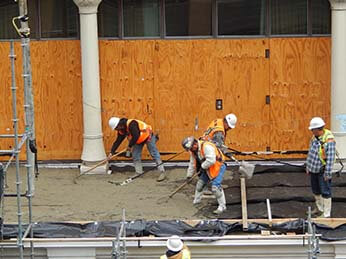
<point x="145" y="130"/>
<point x="324" y="139"/>
<point x="220" y="158"/>
<point x="185" y="255"/>
<point x="214" y="126"/>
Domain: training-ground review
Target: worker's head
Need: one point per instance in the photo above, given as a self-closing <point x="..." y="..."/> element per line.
<point x="113" y="122"/>
<point x="230" y="121"/>
<point x="316" y="126"/>
<point x="190" y="144"/>
<point x="174" y="244"/>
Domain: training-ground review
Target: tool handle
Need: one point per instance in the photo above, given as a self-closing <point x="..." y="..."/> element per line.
<point x="103" y="161"/>
<point x="183" y="185"/>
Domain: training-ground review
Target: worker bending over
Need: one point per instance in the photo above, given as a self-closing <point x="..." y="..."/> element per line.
<point x="138" y="133"/>
<point x="207" y="160"/>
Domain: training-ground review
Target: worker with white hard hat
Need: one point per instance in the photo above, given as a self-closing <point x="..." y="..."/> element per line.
<point x="138" y="133"/>
<point x="209" y="162"/>
<point x="176" y="249"/>
<point x="217" y="129"/>
<point x="319" y="164"/>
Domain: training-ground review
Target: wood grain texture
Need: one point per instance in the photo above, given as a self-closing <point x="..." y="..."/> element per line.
<point x="172" y="83"/>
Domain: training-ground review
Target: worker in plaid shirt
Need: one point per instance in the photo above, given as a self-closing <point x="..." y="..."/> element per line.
<point x="319" y="164"/>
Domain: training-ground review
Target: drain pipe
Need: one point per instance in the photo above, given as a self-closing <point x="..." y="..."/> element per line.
<point x="93" y="148"/>
<point x="338" y="75"/>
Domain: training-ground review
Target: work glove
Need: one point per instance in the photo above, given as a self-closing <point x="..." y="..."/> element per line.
<point x="128" y="153"/>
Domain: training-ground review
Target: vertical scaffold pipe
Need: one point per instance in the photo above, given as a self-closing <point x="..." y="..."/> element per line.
<point x="16" y="150"/>
<point x="93" y="148"/>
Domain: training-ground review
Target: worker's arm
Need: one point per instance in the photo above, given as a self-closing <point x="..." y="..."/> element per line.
<point x="135" y="133"/>
<point x="330" y="158"/>
<point x="210" y="156"/>
<point x="192" y="168"/>
<point x="219" y="139"/>
<point x="117" y="143"/>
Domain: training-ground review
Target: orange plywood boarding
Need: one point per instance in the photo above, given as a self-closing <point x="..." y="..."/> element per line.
<point x="300" y="89"/>
<point x="57" y="90"/>
<point x="171" y="84"/>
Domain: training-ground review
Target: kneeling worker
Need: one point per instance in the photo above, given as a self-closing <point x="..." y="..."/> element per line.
<point x="138" y="133"/>
<point x="176" y="249"/>
<point x="208" y="160"/>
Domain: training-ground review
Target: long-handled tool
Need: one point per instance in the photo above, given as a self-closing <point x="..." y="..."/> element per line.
<point x="130" y="179"/>
<point x="166" y="198"/>
<point x="98" y="164"/>
<point x="264" y="159"/>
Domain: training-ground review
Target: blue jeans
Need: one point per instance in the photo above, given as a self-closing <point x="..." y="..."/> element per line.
<point x="217" y="180"/>
<point x="151" y="145"/>
<point x="319" y="186"/>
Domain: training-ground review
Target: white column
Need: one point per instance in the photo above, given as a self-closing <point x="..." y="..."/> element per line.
<point x="93" y="148"/>
<point x="71" y="253"/>
<point x="338" y="76"/>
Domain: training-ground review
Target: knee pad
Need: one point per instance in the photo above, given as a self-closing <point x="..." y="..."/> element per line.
<point x="200" y="185"/>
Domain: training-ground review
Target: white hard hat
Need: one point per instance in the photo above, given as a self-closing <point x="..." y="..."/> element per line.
<point x="231" y="120"/>
<point x="113" y="122"/>
<point x="174" y="244"/>
<point x="316" y="122"/>
<point x="188" y="142"/>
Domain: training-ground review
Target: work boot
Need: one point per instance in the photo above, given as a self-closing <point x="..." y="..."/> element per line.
<point x="327" y="207"/>
<point x="221" y="200"/>
<point x="318" y="210"/>
<point x="161" y="168"/>
<point x="138" y="167"/>
<point x="161" y="177"/>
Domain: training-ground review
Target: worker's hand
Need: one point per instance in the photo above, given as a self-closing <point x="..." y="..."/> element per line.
<point x="109" y="156"/>
<point x="307" y="171"/>
<point x="326" y="178"/>
<point x="128" y="152"/>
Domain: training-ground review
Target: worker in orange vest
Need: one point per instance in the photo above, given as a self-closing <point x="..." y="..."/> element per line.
<point x="207" y="160"/>
<point x="217" y="130"/>
<point x="138" y="133"/>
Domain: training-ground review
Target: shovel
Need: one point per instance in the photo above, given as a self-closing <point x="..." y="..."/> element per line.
<point x="98" y="164"/>
<point x="246" y="169"/>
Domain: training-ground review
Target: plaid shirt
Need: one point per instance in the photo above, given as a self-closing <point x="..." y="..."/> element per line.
<point x="313" y="162"/>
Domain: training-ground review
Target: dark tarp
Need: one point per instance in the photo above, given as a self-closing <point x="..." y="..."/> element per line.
<point x="139" y="228"/>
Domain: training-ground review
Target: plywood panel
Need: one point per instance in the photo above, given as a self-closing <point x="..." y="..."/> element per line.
<point x="170" y="83"/>
<point x="300" y="89"/>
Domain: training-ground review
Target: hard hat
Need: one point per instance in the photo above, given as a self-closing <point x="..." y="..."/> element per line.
<point x="188" y="142"/>
<point x="113" y="122"/>
<point x="316" y="122"/>
<point x="174" y="244"/>
<point x="231" y="120"/>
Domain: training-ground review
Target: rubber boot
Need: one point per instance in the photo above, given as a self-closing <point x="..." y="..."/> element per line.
<point x="138" y="167"/>
<point x="318" y="210"/>
<point x="221" y="200"/>
<point x="161" y="169"/>
<point x="327" y="207"/>
<point x="198" y="192"/>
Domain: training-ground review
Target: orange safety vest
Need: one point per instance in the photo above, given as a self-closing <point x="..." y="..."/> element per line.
<point x="220" y="159"/>
<point x="214" y="126"/>
<point x="145" y="131"/>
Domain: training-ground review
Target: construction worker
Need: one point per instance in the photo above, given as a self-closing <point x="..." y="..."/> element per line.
<point x="176" y="249"/>
<point x="138" y="133"/>
<point x="217" y="130"/>
<point x="207" y="160"/>
<point x="319" y="164"/>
